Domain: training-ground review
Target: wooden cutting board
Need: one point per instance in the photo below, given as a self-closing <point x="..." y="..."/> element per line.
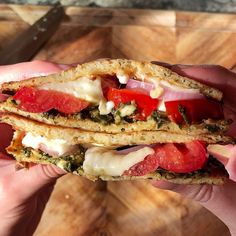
<point x="80" y="207"/>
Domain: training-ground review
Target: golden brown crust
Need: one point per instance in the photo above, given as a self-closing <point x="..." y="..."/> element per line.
<point x="75" y="136"/>
<point x="112" y="67"/>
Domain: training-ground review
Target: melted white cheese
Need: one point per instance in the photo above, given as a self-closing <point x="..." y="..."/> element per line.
<point x="127" y="110"/>
<point x="105" y="107"/>
<point x="84" y="88"/>
<point x="57" y="147"/>
<point x="101" y="161"/>
<point x="158" y="90"/>
<point x="123" y="78"/>
<point x="162" y="106"/>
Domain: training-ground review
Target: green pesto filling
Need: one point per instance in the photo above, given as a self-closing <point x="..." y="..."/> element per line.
<point x="70" y="163"/>
<point x="208" y="169"/>
<point x="74" y="163"/>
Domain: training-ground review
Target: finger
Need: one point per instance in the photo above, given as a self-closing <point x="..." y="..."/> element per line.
<point x="186" y="190"/>
<point x="35" y="178"/>
<point x="7" y="165"/>
<point x="161" y="63"/>
<point x="27" y="70"/>
<point x="200" y="193"/>
<point x="231" y="165"/>
<point x="205" y="194"/>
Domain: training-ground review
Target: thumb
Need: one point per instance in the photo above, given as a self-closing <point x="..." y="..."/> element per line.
<point x="35" y="178"/>
<point x="200" y="193"/>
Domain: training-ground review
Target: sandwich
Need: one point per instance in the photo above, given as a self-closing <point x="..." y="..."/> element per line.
<point x="118" y="119"/>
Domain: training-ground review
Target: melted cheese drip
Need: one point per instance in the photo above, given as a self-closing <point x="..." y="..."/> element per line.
<point x="158" y="90"/>
<point x="123" y="78"/>
<point x="101" y="161"/>
<point x="57" y="147"/>
<point x="105" y="107"/>
<point x="162" y="106"/>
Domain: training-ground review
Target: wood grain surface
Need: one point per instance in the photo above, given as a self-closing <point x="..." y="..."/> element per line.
<point x="80" y="207"/>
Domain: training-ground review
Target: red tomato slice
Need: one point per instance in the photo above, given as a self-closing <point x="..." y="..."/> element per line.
<point x="145" y="104"/>
<point x="37" y="101"/>
<point x="196" y="110"/>
<point x="148" y="165"/>
<point x="179" y="158"/>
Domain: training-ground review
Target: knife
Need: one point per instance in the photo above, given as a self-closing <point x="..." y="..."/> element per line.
<point x="24" y="47"/>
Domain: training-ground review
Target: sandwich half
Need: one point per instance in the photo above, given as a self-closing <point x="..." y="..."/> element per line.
<point x="118" y="119"/>
<point x="116" y="96"/>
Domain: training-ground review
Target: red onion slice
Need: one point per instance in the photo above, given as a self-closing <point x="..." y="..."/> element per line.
<point x="140" y="85"/>
<point x="171" y="92"/>
<point x="174" y="93"/>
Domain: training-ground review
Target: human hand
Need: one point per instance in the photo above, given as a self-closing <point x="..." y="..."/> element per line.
<point x="23" y="193"/>
<point x="220" y="200"/>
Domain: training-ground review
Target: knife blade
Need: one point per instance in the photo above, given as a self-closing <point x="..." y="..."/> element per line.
<point x="24" y="47"/>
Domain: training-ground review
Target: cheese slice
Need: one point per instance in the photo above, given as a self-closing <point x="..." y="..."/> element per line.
<point x="84" y="88"/>
<point x="101" y="161"/>
<point x="55" y="147"/>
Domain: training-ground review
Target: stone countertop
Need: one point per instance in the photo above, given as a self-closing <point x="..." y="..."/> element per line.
<point x="185" y="5"/>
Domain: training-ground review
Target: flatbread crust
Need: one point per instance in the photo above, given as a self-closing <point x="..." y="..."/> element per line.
<point x="213" y="173"/>
<point x="75" y="136"/>
<point x="89" y="125"/>
<point x="141" y="70"/>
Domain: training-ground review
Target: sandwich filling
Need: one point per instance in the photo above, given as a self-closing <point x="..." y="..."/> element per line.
<point x="119" y="99"/>
<point x="98" y="161"/>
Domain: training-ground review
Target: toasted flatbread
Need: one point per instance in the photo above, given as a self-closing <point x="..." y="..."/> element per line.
<point x="74" y="136"/>
<point x="141" y="71"/>
<point x="208" y="126"/>
<point x="213" y="173"/>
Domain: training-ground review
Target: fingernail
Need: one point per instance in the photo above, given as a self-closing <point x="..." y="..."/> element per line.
<point x="161" y="63"/>
<point x="74" y="64"/>
<point x="61" y="171"/>
<point x="184" y="66"/>
<point x="180" y="66"/>
<point x="64" y="66"/>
